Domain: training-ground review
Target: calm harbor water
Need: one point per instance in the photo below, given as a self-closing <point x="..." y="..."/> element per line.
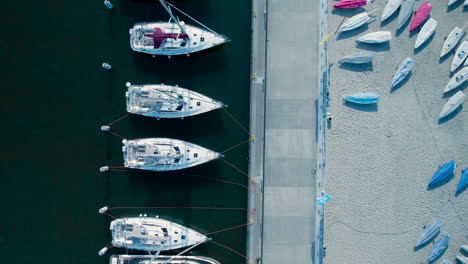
<point x="55" y="98"/>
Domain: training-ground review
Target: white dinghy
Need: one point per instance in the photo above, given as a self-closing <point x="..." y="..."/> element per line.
<point x="458" y="79"/>
<point x="173" y="37"/>
<point x="355" y="21"/>
<point x="405" y="12"/>
<point x="166" y="101"/>
<point x="426" y="31"/>
<point x="452" y="40"/>
<point x="375" y="37"/>
<point x="460" y="55"/>
<point x="358" y="58"/>
<point x="152" y="234"/>
<point x="390" y="8"/>
<point x="452" y="104"/>
<point x="161" y="259"/>
<point x="164" y="154"/>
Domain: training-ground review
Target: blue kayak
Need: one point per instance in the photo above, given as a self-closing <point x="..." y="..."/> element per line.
<point x="402" y="71"/>
<point x="443" y="172"/>
<point x="463" y="180"/>
<point x="363" y="98"/>
<point x="429" y="232"/>
<point x="440" y="245"/>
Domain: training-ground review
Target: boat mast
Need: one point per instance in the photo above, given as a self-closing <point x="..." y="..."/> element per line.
<point x="163" y="3"/>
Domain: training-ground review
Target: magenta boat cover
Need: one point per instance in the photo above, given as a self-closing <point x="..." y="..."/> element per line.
<point x="421" y="15"/>
<point x="350" y="3"/>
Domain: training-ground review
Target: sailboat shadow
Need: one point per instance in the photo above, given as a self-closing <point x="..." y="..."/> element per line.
<point x="362" y="107"/>
<point x="374" y="47"/>
<point x="346" y="12"/>
<point x="389" y="19"/>
<point x="427" y="42"/>
<point x="357" y="67"/>
<point x="352" y="33"/>
<point x="452" y="92"/>
<point x="454" y="6"/>
<point x="450" y="116"/>
<point x="402" y="29"/>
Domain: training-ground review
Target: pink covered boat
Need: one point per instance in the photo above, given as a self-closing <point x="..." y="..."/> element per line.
<point x="421" y="15"/>
<point x="350" y="3"/>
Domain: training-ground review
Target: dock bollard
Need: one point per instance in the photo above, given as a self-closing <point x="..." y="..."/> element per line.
<point x="106" y="66"/>
<point x="108" y="4"/>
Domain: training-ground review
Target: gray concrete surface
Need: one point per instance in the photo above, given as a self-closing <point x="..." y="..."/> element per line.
<point x="284" y="120"/>
<point x="380" y="159"/>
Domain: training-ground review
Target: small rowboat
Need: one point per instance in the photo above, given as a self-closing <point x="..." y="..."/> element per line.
<point x="350" y="3"/>
<point x="358" y="58"/>
<point x="443" y="172"/>
<point x="405" y="12"/>
<point x="451" y="41"/>
<point x="402" y="71"/>
<point x="453" y="103"/>
<point x="461" y="185"/>
<point x="460" y="55"/>
<point x="363" y="98"/>
<point x="426" y="31"/>
<point x="390" y="8"/>
<point x="355" y="21"/>
<point x="428" y="233"/>
<point x="440" y="245"/>
<point x="376" y="37"/>
<point x="421" y="15"/>
<point x="458" y="79"/>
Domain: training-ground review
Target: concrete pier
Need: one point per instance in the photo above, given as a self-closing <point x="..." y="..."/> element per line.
<point x="287" y="119"/>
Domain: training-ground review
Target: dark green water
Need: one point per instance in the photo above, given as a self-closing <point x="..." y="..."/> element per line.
<point x="56" y="96"/>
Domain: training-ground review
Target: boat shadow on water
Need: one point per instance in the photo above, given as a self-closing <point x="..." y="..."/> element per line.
<point x="357" y="67"/>
<point x="402" y="83"/>
<point x="374" y="47"/>
<point x="455" y="6"/>
<point x="450" y="116"/>
<point x="389" y="19"/>
<point x="446" y="56"/>
<point x="403" y="28"/>
<point x="441" y="183"/>
<point x="427" y="42"/>
<point x="362" y="107"/>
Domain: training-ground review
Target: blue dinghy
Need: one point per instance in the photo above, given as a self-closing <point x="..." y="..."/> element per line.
<point x="463" y="180"/>
<point x="443" y="172"/>
<point x="429" y="232"/>
<point x="403" y="69"/>
<point x="440" y="245"/>
<point x="363" y="98"/>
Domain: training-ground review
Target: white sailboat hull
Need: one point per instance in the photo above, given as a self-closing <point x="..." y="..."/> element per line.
<point x="164" y="154"/>
<point x="376" y="37"/>
<point x="390" y="8"/>
<point x="200" y="39"/>
<point x="458" y="79"/>
<point x="166" y="101"/>
<point x="152" y="234"/>
<point x="354" y="22"/>
<point x="405" y="12"/>
<point x="426" y="31"/>
<point x="452" y="39"/>
<point x="452" y="104"/>
<point x="460" y="55"/>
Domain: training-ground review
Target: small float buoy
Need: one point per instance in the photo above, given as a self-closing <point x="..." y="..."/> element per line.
<point x="104" y="169"/>
<point x="105" y="128"/>
<point x="106" y="66"/>
<point x="108" y="4"/>
<point x="128" y="84"/>
<point x="103" y="209"/>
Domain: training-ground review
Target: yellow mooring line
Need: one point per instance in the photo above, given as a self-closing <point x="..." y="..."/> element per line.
<point x="326" y="38"/>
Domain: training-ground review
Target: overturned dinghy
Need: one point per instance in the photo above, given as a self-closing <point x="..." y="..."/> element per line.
<point x="452" y="40"/>
<point x="402" y="71"/>
<point x="166" y="101"/>
<point x="150" y="259"/>
<point x="355" y="21"/>
<point x="440" y="245"/>
<point x="172" y="38"/>
<point x="460" y="55"/>
<point x="364" y="98"/>
<point x="461" y="185"/>
<point x="358" y="58"/>
<point x="420" y="15"/>
<point x="153" y="234"/>
<point x="452" y="104"/>
<point x="458" y="79"/>
<point x="443" y="172"/>
<point x="429" y="232"/>
<point x="376" y="37"/>
<point x="390" y="8"/>
<point x="426" y="31"/>
<point x="164" y="154"/>
<point x="405" y="12"/>
<point x="351" y="3"/>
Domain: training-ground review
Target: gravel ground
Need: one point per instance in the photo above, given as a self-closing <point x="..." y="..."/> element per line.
<point x="380" y="158"/>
